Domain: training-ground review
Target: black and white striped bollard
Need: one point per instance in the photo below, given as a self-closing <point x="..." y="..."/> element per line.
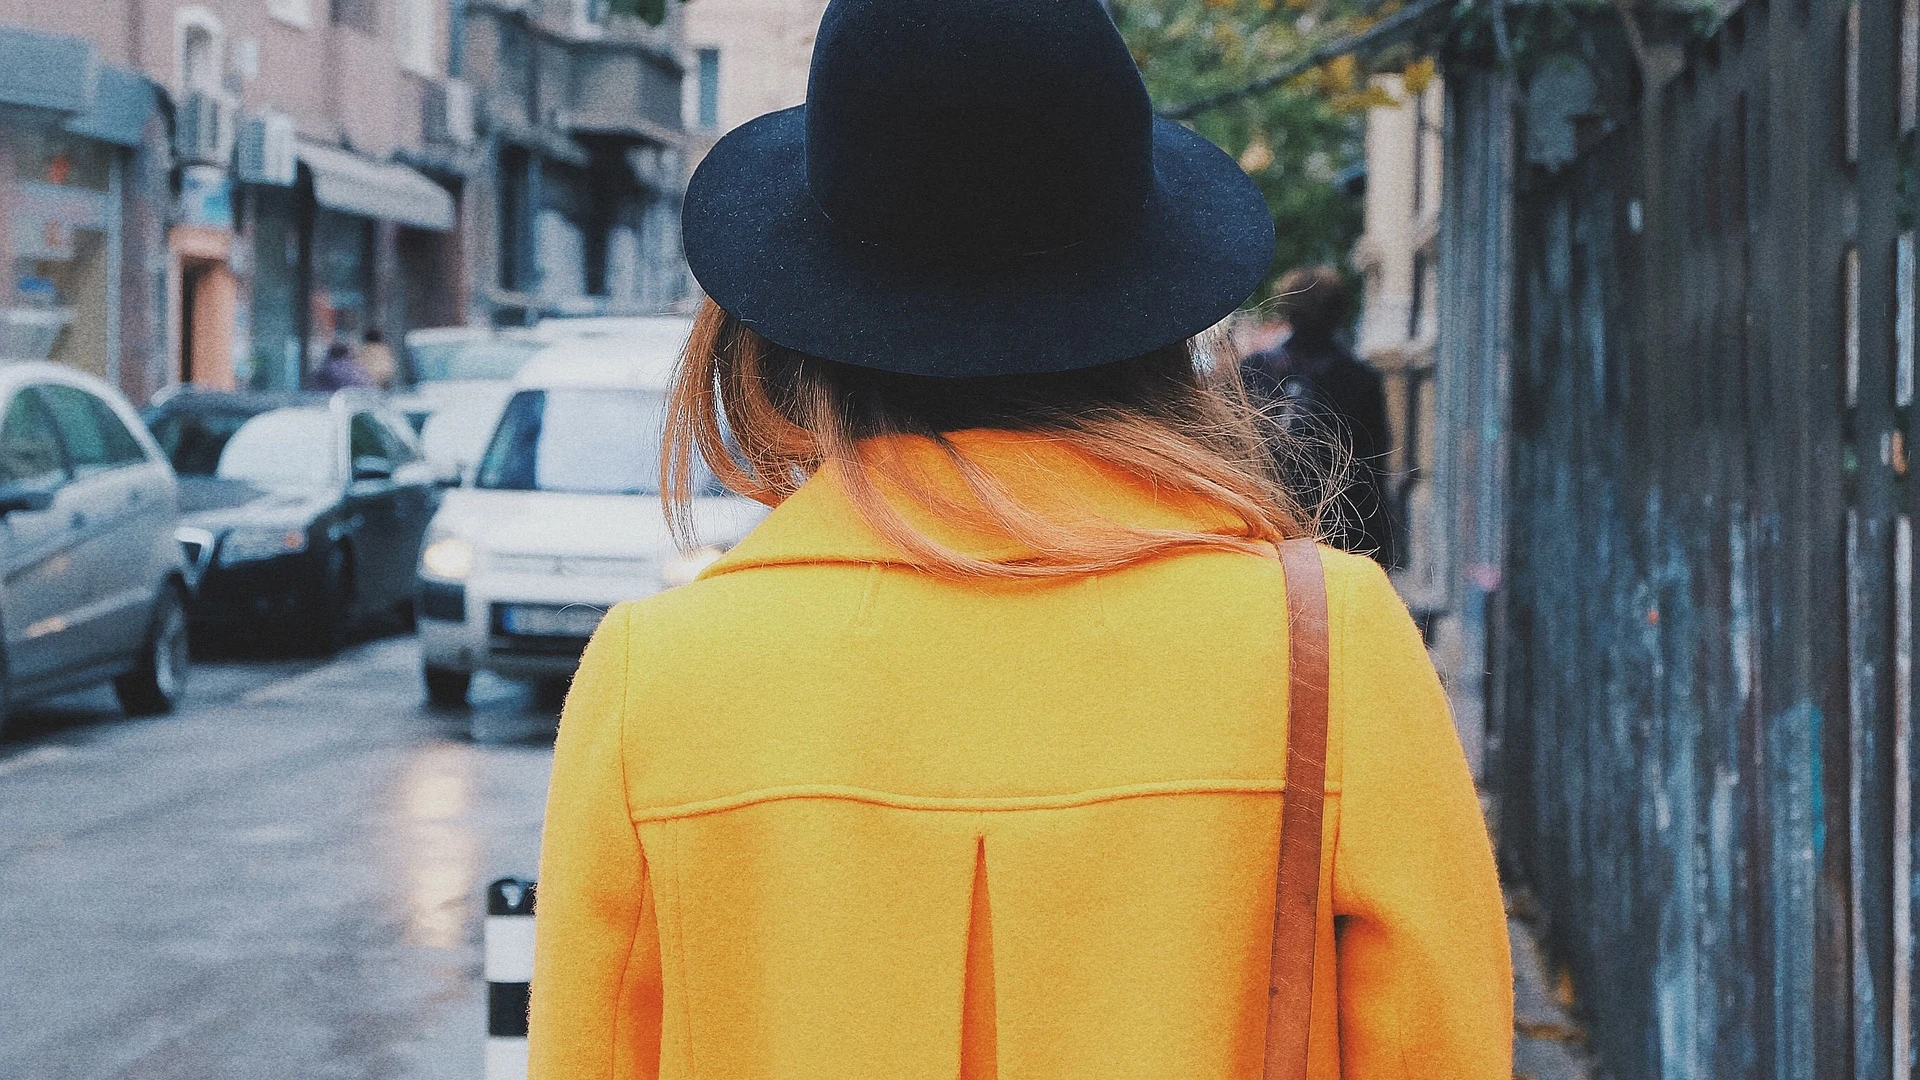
<point x="509" y="968"/>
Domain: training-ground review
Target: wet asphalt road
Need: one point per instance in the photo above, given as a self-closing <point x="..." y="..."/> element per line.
<point x="281" y="880"/>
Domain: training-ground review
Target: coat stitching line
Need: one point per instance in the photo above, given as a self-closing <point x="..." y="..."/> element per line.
<point x="964" y="804"/>
<point x="626" y="800"/>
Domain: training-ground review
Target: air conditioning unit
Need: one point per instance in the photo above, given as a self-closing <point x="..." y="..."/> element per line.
<point x="449" y="109"/>
<point x="264" y="153"/>
<point x="203" y="129"/>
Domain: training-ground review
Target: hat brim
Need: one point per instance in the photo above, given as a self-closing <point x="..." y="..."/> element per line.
<point x="763" y="250"/>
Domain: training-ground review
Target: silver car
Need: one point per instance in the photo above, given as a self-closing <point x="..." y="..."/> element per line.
<point x="94" y="579"/>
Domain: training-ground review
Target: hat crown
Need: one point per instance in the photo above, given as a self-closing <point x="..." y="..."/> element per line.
<point x="976" y="127"/>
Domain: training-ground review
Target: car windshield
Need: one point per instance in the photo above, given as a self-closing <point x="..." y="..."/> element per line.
<point x="285" y="448"/>
<point x="192" y="441"/>
<point x="591" y="441"/>
<point x="455" y="360"/>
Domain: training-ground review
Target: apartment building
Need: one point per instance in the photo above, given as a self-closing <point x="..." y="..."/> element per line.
<point x="215" y="192"/>
<point x="576" y="186"/>
<point x="748" y="57"/>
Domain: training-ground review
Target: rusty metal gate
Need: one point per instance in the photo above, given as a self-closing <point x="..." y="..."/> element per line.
<point x="1705" y="725"/>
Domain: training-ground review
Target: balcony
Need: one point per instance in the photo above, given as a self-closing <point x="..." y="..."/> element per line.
<point x="616" y="88"/>
<point x="544" y="66"/>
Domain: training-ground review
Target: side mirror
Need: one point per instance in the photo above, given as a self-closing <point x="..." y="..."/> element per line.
<point x="449" y="474"/>
<point x="14" y="499"/>
<point x="372" y="468"/>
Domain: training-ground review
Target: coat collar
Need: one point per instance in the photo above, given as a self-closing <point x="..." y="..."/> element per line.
<point x="819" y="524"/>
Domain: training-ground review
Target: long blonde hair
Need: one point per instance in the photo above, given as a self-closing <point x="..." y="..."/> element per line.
<point x="765" y="418"/>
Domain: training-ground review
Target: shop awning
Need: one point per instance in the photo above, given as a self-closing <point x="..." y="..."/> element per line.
<point x="122" y="103"/>
<point x="47" y="71"/>
<point x="352" y="184"/>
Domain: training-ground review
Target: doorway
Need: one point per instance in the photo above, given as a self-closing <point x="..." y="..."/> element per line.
<point x="208" y="294"/>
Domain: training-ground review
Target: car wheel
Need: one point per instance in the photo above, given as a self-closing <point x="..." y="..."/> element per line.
<point x="159" y="680"/>
<point x="446" y="687"/>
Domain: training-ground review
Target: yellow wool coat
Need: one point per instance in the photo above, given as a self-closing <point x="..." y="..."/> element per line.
<point x="824" y="815"/>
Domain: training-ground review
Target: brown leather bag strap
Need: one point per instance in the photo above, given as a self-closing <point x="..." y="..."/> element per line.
<point x="1297" y="895"/>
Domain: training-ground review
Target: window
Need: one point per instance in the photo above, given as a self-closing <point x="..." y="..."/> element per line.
<point x="1417" y="303"/>
<point x="587" y="441"/>
<point x="500" y="359"/>
<point x="29" y="449"/>
<point x="198" y="43"/>
<point x="1419" y="154"/>
<point x="276" y="450"/>
<point x="292" y="12"/>
<point x="413" y="37"/>
<point x="709" y="88"/>
<point x="366" y="440"/>
<point x="457" y="39"/>
<point x="97" y="441"/>
<point x="399" y="442"/>
<point x="360" y="15"/>
<point x="198" y="68"/>
<point x="193" y="441"/>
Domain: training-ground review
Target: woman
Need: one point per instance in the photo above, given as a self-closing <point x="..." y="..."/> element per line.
<point x="969" y="761"/>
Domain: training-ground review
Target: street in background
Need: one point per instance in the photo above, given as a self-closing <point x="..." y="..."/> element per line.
<point x="280" y="881"/>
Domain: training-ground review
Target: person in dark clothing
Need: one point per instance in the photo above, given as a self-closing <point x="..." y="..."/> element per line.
<point x="341" y="369"/>
<point x="1313" y="386"/>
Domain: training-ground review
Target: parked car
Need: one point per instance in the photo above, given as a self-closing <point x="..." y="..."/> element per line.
<point x="303" y="512"/>
<point x="562" y="520"/>
<point x="94" y="582"/>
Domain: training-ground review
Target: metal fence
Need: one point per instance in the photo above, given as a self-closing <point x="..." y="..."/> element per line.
<point x="1704" y="665"/>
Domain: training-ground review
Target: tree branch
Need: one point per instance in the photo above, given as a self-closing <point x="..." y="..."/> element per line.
<point x="1381" y="34"/>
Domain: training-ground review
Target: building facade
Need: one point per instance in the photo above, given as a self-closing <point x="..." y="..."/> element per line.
<point x="272" y="199"/>
<point x="575" y="188"/>
<point x="1444" y="575"/>
<point x="216" y="192"/>
<point x="748" y="57"/>
<point x="82" y="188"/>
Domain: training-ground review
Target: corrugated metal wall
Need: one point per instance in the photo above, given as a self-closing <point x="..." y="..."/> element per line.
<point x="1705" y="716"/>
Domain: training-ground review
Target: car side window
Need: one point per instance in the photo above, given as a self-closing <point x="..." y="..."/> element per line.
<point x="366" y="440"/>
<point x="400" y="446"/>
<point x="30" y="455"/>
<point x="96" y="438"/>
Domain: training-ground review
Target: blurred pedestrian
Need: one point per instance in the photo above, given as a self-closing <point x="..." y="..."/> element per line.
<point x="376" y="359"/>
<point x="1335" y="406"/>
<point x="969" y="761"/>
<point x="340" y="370"/>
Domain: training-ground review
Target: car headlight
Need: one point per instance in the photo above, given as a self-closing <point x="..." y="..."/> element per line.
<point x="684" y="566"/>
<point x="450" y="559"/>
<point x="253" y="543"/>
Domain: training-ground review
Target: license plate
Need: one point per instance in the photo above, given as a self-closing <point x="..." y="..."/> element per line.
<point x="577" y="620"/>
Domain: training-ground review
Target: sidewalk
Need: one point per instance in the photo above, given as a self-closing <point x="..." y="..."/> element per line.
<point x="1547" y="1043"/>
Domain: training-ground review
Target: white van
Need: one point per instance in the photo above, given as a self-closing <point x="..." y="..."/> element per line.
<point x="561" y="519"/>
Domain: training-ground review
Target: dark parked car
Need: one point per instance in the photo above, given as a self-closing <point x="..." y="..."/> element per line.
<point x="302" y="513"/>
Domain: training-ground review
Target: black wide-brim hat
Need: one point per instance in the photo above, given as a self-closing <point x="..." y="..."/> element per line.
<point x="974" y="187"/>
